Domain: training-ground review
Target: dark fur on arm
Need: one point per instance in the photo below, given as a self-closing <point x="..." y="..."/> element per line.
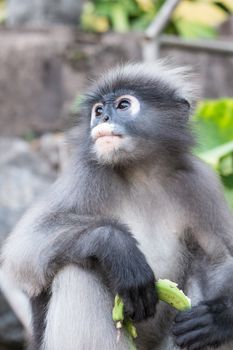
<point x="112" y="246"/>
<point x="210" y="322"/>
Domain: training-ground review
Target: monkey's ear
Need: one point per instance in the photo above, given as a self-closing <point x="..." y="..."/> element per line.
<point x="185" y="103"/>
<point x="185" y="108"/>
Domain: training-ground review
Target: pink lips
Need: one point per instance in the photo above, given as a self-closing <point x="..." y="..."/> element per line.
<point x="107" y="134"/>
<point x="104" y="132"/>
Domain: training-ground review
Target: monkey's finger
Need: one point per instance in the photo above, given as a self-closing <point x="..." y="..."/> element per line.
<point x="129" y="308"/>
<point x="196" y="311"/>
<point x="189" y="325"/>
<point x="200" y="345"/>
<point x="140" y="313"/>
<point x="149" y="301"/>
<point x="192" y="337"/>
<point x="138" y="307"/>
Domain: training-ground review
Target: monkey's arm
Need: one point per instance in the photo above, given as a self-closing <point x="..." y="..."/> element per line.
<point x="209" y="323"/>
<point x="35" y="253"/>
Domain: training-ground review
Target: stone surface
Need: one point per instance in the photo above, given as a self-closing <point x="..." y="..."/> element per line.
<point x="53" y="149"/>
<point x="12" y="334"/>
<point x="26" y="172"/>
<point x="41" y="12"/>
<point x="226" y="29"/>
<point x="214" y="71"/>
<point x="42" y="71"/>
<point x="24" y="177"/>
<point x="32" y="81"/>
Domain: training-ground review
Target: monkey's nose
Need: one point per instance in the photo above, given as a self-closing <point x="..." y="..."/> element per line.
<point x="105" y="118"/>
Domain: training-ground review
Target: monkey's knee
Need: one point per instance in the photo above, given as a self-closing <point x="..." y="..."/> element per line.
<point x="79" y="314"/>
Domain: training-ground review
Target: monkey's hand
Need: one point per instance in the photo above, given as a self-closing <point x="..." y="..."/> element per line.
<point x="135" y="283"/>
<point x="208" y="324"/>
<point x="128" y="272"/>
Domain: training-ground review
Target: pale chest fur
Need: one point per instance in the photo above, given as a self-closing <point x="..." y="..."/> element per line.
<point x="157" y="222"/>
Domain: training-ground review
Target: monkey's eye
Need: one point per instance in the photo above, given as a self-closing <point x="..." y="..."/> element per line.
<point x="98" y="111"/>
<point x="123" y="104"/>
<point x="128" y="103"/>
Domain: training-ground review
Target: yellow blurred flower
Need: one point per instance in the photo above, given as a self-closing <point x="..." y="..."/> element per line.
<point x="203" y="11"/>
<point x="146" y="5"/>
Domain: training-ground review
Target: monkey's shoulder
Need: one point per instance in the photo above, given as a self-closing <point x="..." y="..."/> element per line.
<point x="197" y="181"/>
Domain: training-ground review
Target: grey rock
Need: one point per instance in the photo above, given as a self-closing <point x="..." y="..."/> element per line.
<point x="213" y="70"/>
<point x="12" y="335"/>
<point x="226" y="28"/>
<point x="24" y="176"/>
<point x="54" y="149"/>
<point x="41" y="12"/>
<point x="32" y="81"/>
<point x="42" y="71"/>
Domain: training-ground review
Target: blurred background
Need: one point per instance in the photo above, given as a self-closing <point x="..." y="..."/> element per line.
<point x="48" y="48"/>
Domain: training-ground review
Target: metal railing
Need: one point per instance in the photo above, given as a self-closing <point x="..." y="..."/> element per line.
<point x="153" y="39"/>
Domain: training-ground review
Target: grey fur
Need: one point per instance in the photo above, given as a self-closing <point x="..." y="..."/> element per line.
<point x="170" y="201"/>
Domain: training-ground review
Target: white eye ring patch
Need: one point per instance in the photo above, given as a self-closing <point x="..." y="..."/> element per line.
<point x="135" y="104"/>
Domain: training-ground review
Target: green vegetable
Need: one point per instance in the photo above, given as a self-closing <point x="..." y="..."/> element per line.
<point x="118" y="310"/>
<point x="170" y="294"/>
<point x="118" y="317"/>
<point x="131" y="329"/>
<point x="167" y="292"/>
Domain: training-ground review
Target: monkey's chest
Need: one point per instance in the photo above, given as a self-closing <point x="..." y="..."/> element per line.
<point x="157" y="229"/>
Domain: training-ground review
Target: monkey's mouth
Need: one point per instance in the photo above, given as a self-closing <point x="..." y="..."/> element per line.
<point x="108" y="138"/>
<point x="105" y="134"/>
<point x="106" y="141"/>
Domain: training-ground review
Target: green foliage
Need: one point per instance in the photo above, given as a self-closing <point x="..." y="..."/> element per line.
<point x="125" y="15"/>
<point x="2" y="11"/>
<point x="30" y="136"/>
<point x="190" y="29"/>
<point x="75" y="107"/>
<point x="119" y="15"/>
<point x="214" y="127"/>
<point x="214" y="121"/>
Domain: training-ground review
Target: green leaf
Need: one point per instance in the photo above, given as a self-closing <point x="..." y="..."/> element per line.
<point x="119" y="18"/>
<point x="213" y="123"/>
<point x="2" y="11"/>
<point x="214" y="127"/>
<point x="142" y="22"/>
<point x="219" y="158"/>
<point x="188" y="29"/>
<point x="229" y="196"/>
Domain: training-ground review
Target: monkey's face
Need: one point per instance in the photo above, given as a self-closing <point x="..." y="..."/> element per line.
<point x="127" y="128"/>
<point x="110" y="121"/>
<point x="136" y="114"/>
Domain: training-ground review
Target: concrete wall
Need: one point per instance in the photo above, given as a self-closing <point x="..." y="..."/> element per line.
<point x="42" y="71"/>
<point x="41" y="12"/>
